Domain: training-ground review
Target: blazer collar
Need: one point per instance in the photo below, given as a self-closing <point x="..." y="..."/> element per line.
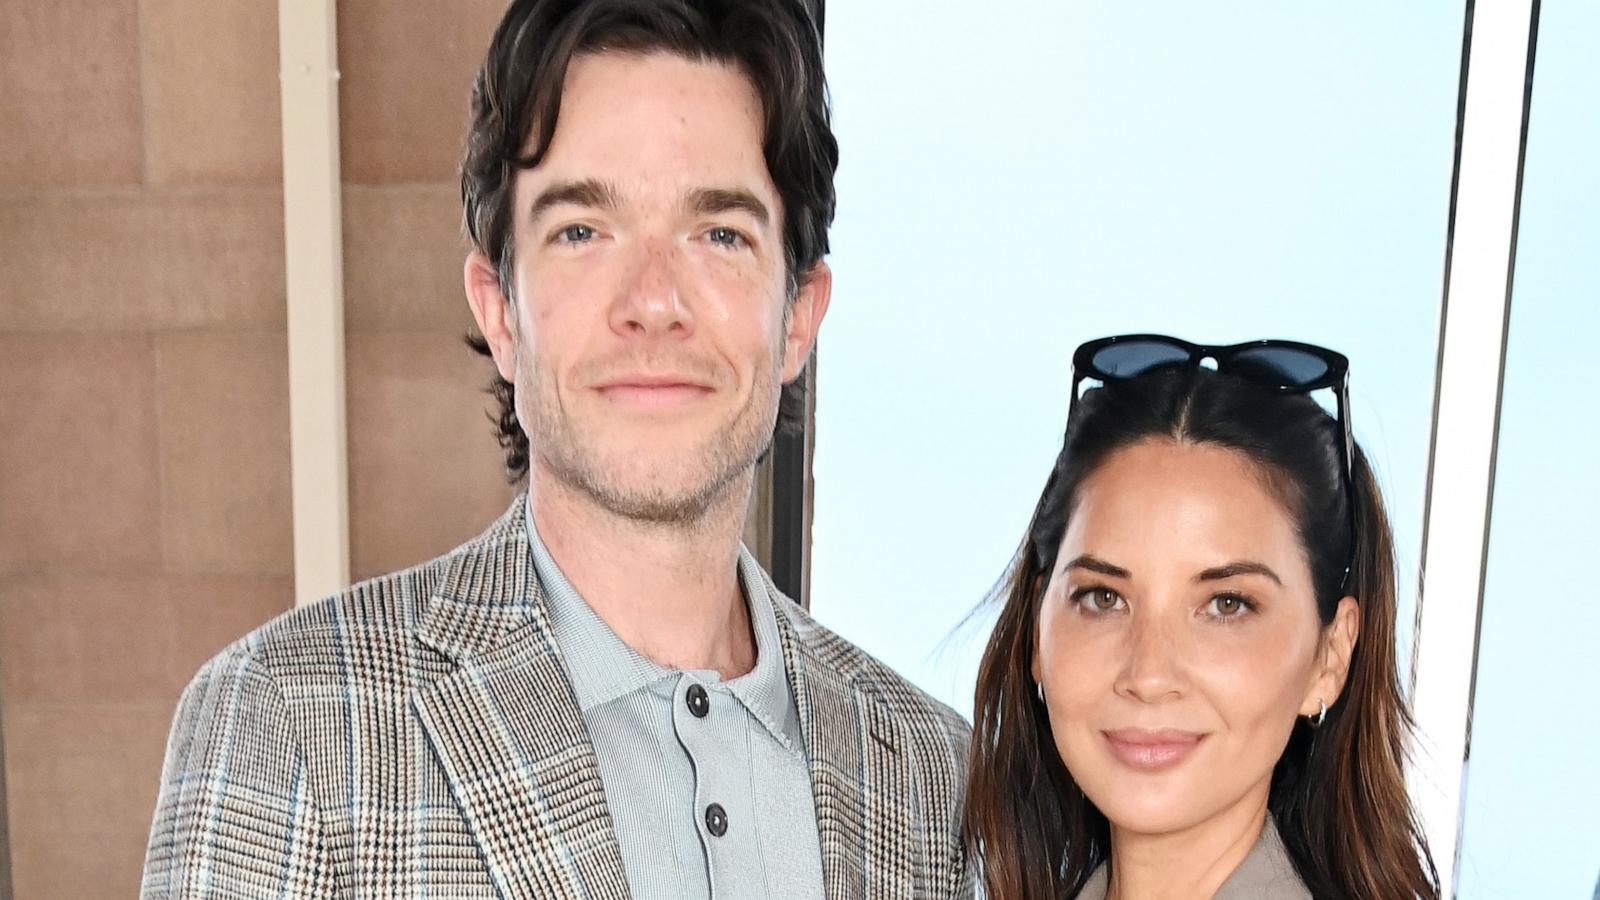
<point x="1266" y="872"/>
<point x="862" y="780"/>
<point x="488" y="589"/>
<point x="507" y="730"/>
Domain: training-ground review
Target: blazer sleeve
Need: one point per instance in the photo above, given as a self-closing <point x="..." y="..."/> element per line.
<point x="235" y="816"/>
<point x="967" y="867"/>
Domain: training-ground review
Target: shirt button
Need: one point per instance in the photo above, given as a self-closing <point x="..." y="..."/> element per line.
<point x="699" y="703"/>
<point x="716" y="820"/>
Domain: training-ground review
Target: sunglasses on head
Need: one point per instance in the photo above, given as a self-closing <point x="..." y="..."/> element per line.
<point x="1286" y="367"/>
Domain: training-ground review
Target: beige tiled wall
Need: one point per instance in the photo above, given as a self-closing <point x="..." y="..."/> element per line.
<point x="71" y="109"/>
<point x="144" y="449"/>
<point x="425" y="472"/>
<point x="405" y="77"/>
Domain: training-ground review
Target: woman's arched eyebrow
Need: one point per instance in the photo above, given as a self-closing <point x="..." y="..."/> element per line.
<point x="1096" y="564"/>
<point x="1238" y="567"/>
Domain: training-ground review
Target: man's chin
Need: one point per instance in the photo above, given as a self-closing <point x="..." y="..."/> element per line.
<point x="660" y="504"/>
<point x="666" y="476"/>
<point x="677" y="492"/>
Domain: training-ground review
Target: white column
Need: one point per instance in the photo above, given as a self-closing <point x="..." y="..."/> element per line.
<point x="1461" y="466"/>
<point x="313" y="256"/>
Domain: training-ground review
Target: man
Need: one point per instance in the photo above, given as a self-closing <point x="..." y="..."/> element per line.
<point x="602" y="696"/>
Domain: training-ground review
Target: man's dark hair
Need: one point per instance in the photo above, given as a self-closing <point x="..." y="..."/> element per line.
<point x="516" y="101"/>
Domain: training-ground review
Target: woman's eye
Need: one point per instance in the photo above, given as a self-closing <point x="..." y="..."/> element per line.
<point x="727" y="237"/>
<point x="1099" y="600"/>
<point x="575" y="234"/>
<point x="1229" y="606"/>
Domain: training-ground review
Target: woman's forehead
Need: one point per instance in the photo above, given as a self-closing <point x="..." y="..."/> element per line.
<point x="1180" y="504"/>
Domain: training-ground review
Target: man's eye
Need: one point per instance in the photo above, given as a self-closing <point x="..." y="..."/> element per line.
<point x="727" y="237"/>
<point x="575" y="234"/>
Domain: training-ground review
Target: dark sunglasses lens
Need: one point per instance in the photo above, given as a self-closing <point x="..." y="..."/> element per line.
<point x="1283" y="366"/>
<point x="1130" y="359"/>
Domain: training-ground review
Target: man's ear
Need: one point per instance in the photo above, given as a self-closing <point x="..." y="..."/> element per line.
<point x="492" y="309"/>
<point x="805" y="317"/>
<point x="1338" y="647"/>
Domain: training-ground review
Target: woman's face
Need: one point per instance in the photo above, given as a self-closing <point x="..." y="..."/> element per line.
<point x="1178" y="637"/>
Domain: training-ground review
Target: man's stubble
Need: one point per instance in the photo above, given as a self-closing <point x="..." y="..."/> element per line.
<point x="568" y="452"/>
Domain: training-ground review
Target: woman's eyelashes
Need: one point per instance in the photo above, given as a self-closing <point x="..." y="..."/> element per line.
<point x="1230" y="607"/>
<point x="1100" y="600"/>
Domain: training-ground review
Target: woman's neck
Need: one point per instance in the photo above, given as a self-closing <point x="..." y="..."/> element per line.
<point x="1186" y="865"/>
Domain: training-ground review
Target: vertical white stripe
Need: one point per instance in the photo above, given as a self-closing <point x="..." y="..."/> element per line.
<point x="1472" y="342"/>
<point x="313" y="258"/>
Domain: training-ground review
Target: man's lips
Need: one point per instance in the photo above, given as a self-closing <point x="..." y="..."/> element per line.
<point x="1151" y="750"/>
<point x="652" y="391"/>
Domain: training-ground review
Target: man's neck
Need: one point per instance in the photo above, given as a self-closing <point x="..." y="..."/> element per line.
<point x="669" y="591"/>
<point x="1186" y="865"/>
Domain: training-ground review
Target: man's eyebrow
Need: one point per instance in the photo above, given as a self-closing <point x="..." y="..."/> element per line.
<point x="587" y="192"/>
<point x="1238" y="567"/>
<point x="706" y="201"/>
<point x="1096" y="564"/>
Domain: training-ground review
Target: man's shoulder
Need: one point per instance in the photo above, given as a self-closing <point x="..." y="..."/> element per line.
<point x="370" y="629"/>
<point x="905" y="701"/>
<point x="371" y="623"/>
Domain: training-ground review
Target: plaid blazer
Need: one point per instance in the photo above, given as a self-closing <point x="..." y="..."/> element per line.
<point x="416" y="736"/>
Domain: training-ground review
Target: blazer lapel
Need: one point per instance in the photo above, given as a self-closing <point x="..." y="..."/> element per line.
<point x="508" y="732"/>
<point x="860" y="777"/>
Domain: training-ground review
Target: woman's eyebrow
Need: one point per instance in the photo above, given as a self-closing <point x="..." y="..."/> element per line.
<point x="1238" y="567"/>
<point x="1096" y="564"/>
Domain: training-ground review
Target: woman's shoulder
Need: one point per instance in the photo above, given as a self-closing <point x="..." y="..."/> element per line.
<point x="1266" y="874"/>
<point x="1097" y="885"/>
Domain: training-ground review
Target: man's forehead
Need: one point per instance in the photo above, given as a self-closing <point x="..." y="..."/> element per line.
<point x="659" y="91"/>
<point x="652" y="128"/>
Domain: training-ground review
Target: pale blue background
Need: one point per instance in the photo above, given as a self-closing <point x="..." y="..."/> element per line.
<point x="1017" y="178"/>
<point x="1532" y="826"/>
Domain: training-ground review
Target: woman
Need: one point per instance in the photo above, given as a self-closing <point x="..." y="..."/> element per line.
<point x="1191" y="690"/>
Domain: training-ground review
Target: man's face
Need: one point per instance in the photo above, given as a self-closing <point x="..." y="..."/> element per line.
<point x="647" y="333"/>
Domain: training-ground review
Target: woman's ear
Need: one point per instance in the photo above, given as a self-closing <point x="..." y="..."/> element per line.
<point x="1338" y="647"/>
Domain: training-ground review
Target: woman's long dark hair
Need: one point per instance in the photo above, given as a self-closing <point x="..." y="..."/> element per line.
<point x="1338" y="794"/>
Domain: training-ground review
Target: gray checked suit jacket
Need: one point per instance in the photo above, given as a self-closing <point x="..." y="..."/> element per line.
<point x="416" y="736"/>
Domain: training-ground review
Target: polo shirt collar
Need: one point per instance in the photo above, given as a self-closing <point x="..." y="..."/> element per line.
<point x="603" y="668"/>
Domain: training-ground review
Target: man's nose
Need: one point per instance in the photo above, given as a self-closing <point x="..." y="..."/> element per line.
<point x="650" y="301"/>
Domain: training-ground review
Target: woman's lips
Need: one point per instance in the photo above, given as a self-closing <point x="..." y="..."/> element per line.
<point x="1149" y="750"/>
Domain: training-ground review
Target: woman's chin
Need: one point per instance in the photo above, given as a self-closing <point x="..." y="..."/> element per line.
<point x="1148" y="809"/>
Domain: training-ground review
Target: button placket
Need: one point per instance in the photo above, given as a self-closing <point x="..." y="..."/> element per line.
<point x="712" y="730"/>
